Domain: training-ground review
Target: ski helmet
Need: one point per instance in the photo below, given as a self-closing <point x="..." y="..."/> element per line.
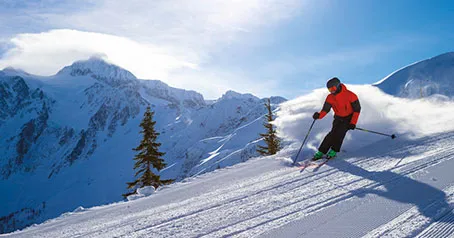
<point x="333" y="85"/>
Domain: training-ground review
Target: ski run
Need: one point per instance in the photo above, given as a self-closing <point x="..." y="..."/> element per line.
<point x="398" y="189"/>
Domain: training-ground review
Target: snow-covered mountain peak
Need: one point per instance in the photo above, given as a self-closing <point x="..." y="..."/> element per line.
<point x="422" y="79"/>
<point x="235" y="95"/>
<point x="59" y="132"/>
<point x="445" y="56"/>
<point x="12" y="71"/>
<point x="161" y="90"/>
<point x="97" y="68"/>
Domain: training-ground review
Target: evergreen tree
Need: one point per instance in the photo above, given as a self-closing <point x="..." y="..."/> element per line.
<point x="273" y="143"/>
<point x="148" y="156"/>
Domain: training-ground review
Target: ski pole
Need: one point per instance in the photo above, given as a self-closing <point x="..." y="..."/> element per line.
<point x="383" y="134"/>
<point x="307" y="135"/>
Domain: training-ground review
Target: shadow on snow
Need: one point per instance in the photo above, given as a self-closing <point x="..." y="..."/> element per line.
<point x="430" y="201"/>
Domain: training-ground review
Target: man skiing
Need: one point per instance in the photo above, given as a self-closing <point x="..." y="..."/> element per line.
<point x="346" y="113"/>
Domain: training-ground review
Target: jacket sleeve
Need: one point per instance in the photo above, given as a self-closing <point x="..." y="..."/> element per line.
<point x="326" y="108"/>
<point x="356" y="109"/>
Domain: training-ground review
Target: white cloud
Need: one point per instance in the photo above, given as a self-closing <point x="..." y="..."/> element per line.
<point x="195" y="27"/>
<point x="152" y="39"/>
<point x="46" y="53"/>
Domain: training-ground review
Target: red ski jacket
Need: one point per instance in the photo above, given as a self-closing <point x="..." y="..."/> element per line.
<point x="344" y="104"/>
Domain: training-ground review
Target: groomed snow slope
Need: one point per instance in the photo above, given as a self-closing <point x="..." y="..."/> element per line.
<point x="379" y="187"/>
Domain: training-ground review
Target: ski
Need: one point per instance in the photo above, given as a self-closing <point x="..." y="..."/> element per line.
<point x="321" y="164"/>
<point x="313" y="165"/>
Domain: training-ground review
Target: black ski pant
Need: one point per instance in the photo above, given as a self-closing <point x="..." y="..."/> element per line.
<point x="336" y="136"/>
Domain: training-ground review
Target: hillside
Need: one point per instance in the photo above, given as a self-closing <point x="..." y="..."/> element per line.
<point x="377" y="187"/>
<point x="434" y="76"/>
<point x="67" y="139"/>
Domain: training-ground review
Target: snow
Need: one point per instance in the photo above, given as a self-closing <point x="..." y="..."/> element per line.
<point x="363" y="193"/>
<point x="142" y="192"/>
<point x="377" y="187"/>
<point x="234" y="95"/>
<point x="104" y="104"/>
<point x="422" y="79"/>
<point x="163" y="91"/>
<point x="97" y="67"/>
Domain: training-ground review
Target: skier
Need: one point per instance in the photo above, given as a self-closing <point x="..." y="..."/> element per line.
<point x="346" y="113"/>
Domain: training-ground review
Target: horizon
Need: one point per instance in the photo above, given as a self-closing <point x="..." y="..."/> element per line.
<point x="267" y="49"/>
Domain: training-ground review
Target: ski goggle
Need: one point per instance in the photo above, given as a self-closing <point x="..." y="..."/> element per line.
<point x="332" y="89"/>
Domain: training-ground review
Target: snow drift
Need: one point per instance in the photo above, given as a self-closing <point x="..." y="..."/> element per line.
<point x="409" y="118"/>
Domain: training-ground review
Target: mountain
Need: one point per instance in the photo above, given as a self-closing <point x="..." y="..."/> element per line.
<point x="67" y="139"/>
<point x="422" y="79"/>
<point x="376" y="187"/>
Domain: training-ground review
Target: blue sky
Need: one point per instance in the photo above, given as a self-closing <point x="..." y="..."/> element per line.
<point x="284" y="48"/>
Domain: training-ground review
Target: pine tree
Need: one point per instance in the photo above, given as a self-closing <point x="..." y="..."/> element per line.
<point x="273" y="143"/>
<point x="148" y="156"/>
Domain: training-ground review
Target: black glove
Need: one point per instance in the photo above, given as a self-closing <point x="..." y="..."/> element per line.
<point x="351" y="126"/>
<point x="316" y="116"/>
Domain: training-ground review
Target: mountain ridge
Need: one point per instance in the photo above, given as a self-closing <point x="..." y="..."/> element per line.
<point x="422" y="79"/>
<point x="59" y="132"/>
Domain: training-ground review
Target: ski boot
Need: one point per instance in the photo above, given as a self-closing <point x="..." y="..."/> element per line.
<point x="318" y="155"/>
<point x="331" y="154"/>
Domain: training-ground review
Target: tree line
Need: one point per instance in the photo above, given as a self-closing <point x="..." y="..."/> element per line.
<point x="148" y="156"/>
